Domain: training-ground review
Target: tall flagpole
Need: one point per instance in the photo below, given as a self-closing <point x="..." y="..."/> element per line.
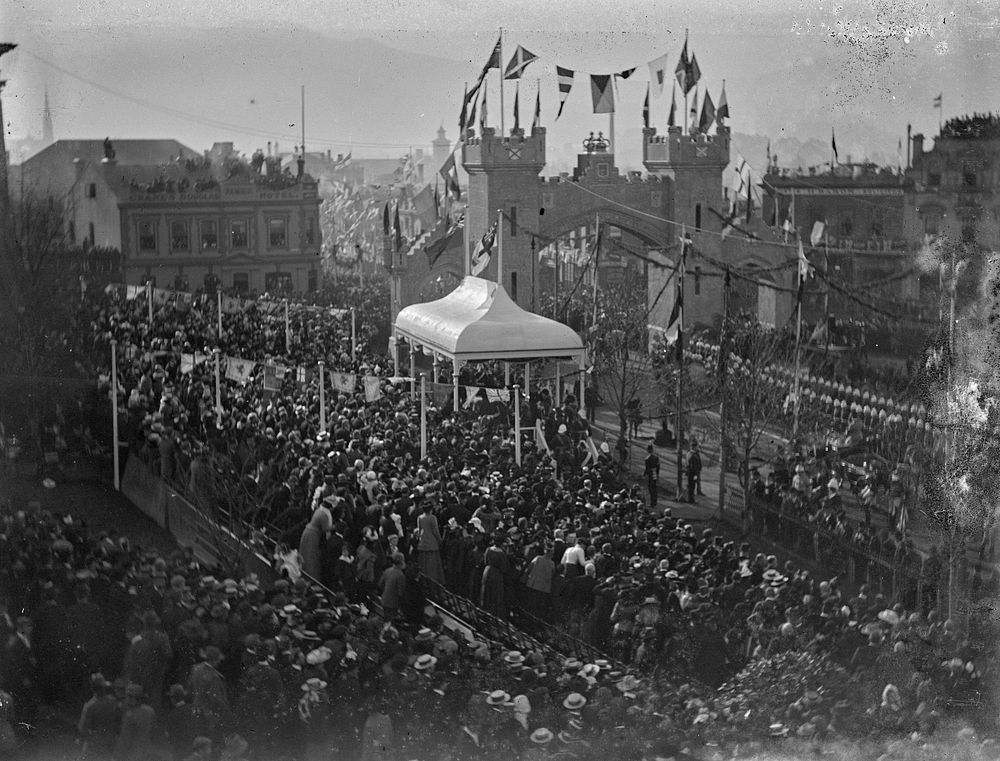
<point x="218" y="293"/>
<point x="114" y="412"/>
<point x="798" y="346"/>
<point x="684" y="122"/>
<point x="500" y="247"/>
<point x="517" y="424"/>
<point x="465" y="236"/>
<point x="218" y="385"/>
<point x="423" y="416"/>
<point x="322" y="395"/>
<point x="597" y="253"/>
<point x="500" y="69"/>
<point x="354" y="335"/>
<point x="680" y="363"/>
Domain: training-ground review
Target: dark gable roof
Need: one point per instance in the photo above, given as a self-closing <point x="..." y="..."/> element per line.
<point x="134" y="152"/>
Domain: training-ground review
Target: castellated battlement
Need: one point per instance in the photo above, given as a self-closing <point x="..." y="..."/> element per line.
<point x="676" y="150"/>
<point x="491" y="152"/>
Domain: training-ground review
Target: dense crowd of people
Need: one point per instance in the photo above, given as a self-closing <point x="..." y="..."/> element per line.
<point x="340" y="656"/>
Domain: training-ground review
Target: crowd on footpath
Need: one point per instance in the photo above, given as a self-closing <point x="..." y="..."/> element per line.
<point x="340" y="656"/>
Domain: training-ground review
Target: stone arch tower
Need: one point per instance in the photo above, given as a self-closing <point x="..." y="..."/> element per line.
<point x="503" y="174"/>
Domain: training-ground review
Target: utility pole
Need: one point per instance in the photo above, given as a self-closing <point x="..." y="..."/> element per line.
<point x="680" y="364"/>
<point x="724" y="390"/>
<point x="6" y="221"/>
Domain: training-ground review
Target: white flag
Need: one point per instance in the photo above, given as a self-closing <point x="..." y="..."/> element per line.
<point x="817" y="233"/>
<point x="344" y="382"/>
<point x="238" y="370"/>
<point x="658" y="74"/>
<point x="373" y="390"/>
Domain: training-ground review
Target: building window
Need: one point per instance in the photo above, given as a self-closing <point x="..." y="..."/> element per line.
<point x="934" y="179"/>
<point x="513" y="286"/>
<point x="90" y="233"/>
<point x="239" y="236"/>
<point x="180" y="283"/>
<point x="313" y="281"/>
<point x="513" y="221"/>
<point x="277" y="233"/>
<point x="276" y="282"/>
<point x="91" y="190"/>
<point x="969" y="178"/>
<point x="180" y="239"/>
<point x="208" y="232"/>
<point x="697" y="281"/>
<point x="310" y="231"/>
<point x="697" y="216"/>
<point x="241" y="282"/>
<point x="846" y="227"/>
<point x="931" y="224"/>
<point x="147" y="235"/>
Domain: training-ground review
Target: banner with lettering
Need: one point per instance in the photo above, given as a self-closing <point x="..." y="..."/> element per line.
<point x="189" y="361"/>
<point x="273" y="376"/>
<point x="232" y="305"/>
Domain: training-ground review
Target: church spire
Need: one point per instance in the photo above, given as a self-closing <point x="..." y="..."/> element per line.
<point x="47" y="135"/>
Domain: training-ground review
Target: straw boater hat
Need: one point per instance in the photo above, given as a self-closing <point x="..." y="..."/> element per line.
<point x="514" y="657"/>
<point x="574" y="701"/>
<point x="425" y="663"/>
<point x="542" y="736"/>
<point x="498" y="698"/>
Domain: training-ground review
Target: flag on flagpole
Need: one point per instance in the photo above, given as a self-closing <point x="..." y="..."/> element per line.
<point x="769" y="153"/>
<point x="658" y="73"/>
<point x="681" y="71"/>
<point x="707" y="113"/>
<point x="694" y="73"/>
<point x="693" y="113"/>
<point x="565" y="79"/>
<point x="602" y="93"/>
<point x="518" y="63"/>
<point x="492" y="63"/>
<point x="517" y="105"/>
<point x="464" y="112"/>
<point x="484" y="251"/>
<point x="722" y="112"/>
<point x="749" y="194"/>
<point x="385" y="219"/>
<point x="833" y="144"/>
<point x="536" y="122"/>
<point x="470" y="121"/>
<point x="805" y="268"/>
<point x="672" y="120"/>
<point x="482" y="111"/>
<point x="645" y="109"/>
<point x="397" y="231"/>
<point x="816" y="236"/>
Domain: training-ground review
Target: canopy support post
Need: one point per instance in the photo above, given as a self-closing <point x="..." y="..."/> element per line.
<point x="454" y="384"/>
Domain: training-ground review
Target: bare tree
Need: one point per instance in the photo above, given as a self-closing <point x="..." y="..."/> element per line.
<point x="617" y="346"/>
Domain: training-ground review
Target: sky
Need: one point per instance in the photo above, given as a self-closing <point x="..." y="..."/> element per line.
<point x="382" y="75"/>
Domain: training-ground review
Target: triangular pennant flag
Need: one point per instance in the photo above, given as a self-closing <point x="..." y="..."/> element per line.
<point x="602" y="93"/>
<point x="397" y="230"/>
<point x="707" y="113"/>
<point x="385" y="220"/>
<point x="626" y="74"/>
<point x="672" y="120"/>
<point x="658" y="74"/>
<point x="722" y="112"/>
<point x="470" y="122"/>
<point x="537" y="121"/>
<point x="518" y="63"/>
<point x="565" y="78"/>
<point x="484" y="250"/>
<point x="645" y="109"/>
<point x="833" y="144"/>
